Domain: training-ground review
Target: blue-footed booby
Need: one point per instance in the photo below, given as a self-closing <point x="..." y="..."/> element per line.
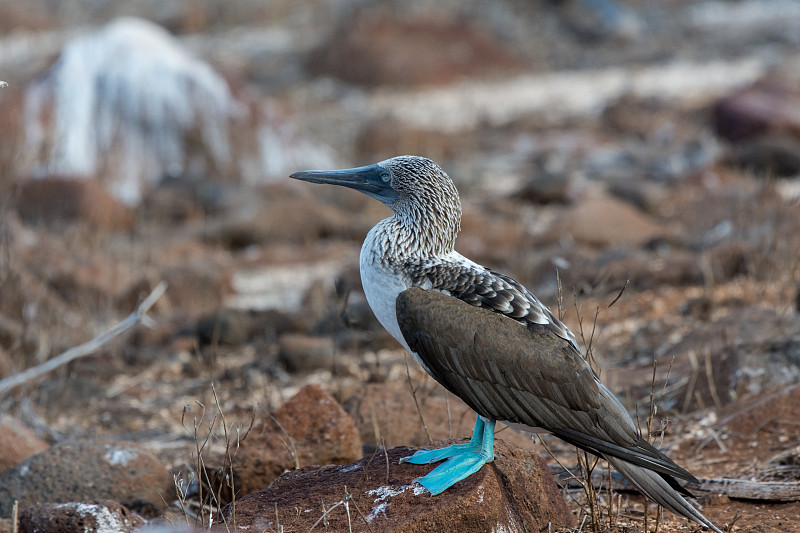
<point x="486" y="338"/>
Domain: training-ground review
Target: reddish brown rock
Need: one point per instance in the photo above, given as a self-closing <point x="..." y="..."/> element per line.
<point x="17" y="443"/>
<point x="310" y="429"/>
<point x="98" y="516"/>
<point x="513" y="493"/>
<point x="84" y="470"/>
<point x="378" y="47"/>
<point x="386" y="414"/>
<point x="57" y="200"/>
<point x="605" y="221"/>
<point x="748" y="416"/>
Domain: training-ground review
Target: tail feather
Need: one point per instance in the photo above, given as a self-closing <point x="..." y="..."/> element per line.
<point x="654" y="486"/>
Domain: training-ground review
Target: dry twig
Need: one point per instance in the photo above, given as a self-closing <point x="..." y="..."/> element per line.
<point x="140" y="315"/>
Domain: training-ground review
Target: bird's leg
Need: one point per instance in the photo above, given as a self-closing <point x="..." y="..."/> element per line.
<point x="463" y="460"/>
<point x="425" y="457"/>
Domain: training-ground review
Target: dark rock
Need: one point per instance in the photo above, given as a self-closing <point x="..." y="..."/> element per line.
<point x="84" y="470"/>
<point x="550" y="184"/>
<point x="768" y="106"/>
<point x="358" y="315"/>
<point x="310" y="429"/>
<point x="17" y="443"/>
<point x="378" y="47"/>
<point x="97" y="516"/>
<point x="514" y="492"/>
<point x="182" y="198"/>
<point x="228" y="327"/>
<point x="773" y="155"/>
<point x="594" y="20"/>
<point x="54" y="201"/>
<point x="301" y="353"/>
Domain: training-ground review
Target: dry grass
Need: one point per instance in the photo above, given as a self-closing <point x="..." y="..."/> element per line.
<point x="203" y="497"/>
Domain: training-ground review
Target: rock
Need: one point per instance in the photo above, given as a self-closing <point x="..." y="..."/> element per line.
<point x="546" y="188"/>
<point x="771" y="155"/>
<point x="767" y="106"/>
<point x="6" y="364"/>
<point x="386" y="136"/>
<point x="379" y="47"/>
<point x="605" y="221"/>
<point x="596" y="20"/>
<point x="123" y="128"/>
<point x="229" y="327"/>
<point x="640" y="269"/>
<point x="98" y="516"/>
<point x="53" y="201"/>
<point x="746" y="417"/>
<point x="301" y="353"/>
<point x="286" y="220"/>
<point x="515" y="492"/>
<point x="197" y="288"/>
<point x="386" y="415"/>
<point x="743" y="353"/>
<point x="311" y="429"/>
<point x="84" y="470"/>
<point x="359" y="315"/>
<point x="17" y="442"/>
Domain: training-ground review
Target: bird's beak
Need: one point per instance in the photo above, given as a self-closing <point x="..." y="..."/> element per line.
<point x="372" y="180"/>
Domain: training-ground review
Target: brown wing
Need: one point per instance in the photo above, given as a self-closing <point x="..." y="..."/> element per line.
<point x="522" y="373"/>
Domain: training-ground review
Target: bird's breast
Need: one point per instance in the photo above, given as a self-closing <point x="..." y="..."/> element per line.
<point x="382" y="285"/>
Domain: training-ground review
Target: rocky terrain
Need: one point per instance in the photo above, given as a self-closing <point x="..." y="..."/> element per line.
<point x="636" y="164"/>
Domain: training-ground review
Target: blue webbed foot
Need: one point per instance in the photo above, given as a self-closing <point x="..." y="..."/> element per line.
<point x="452" y="471"/>
<point x="425" y="457"/>
<point x="463" y="460"/>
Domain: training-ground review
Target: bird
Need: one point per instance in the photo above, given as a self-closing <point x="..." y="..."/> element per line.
<point x="486" y="338"/>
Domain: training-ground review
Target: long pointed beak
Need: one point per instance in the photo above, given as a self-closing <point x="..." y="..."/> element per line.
<point x="372" y="180"/>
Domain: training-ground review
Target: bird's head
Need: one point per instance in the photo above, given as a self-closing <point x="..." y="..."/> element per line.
<point x="421" y="194"/>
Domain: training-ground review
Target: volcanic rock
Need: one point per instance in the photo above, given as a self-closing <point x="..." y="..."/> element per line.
<point x="513" y="493"/>
<point x="377" y="47"/>
<point x="78" y="517"/>
<point x="17" y="442"/>
<point x="83" y="470"/>
<point x="310" y="429"/>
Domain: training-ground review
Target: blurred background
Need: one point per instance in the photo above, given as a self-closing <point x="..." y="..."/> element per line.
<point x="599" y="142"/>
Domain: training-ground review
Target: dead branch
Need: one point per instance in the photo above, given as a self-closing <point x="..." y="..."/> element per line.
<point x="733" y="488"/>
<point x="140" y="315"/>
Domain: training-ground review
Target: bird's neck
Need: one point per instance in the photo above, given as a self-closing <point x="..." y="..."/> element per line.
<point x="410" y="236"/>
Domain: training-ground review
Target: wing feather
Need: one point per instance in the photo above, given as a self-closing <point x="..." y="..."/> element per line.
<point x="523" y="373"/>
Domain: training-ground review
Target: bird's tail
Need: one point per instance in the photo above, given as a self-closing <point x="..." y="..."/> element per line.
<point x="654" y="486"/>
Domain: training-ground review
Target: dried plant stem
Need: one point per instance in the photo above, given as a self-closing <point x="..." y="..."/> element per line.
<point x="140" y="315"/>
<point x="290" y="447"/>
<point x="416" y="402"/>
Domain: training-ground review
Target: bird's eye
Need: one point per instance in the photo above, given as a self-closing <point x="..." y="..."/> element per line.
<point x="386" y="177"/>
